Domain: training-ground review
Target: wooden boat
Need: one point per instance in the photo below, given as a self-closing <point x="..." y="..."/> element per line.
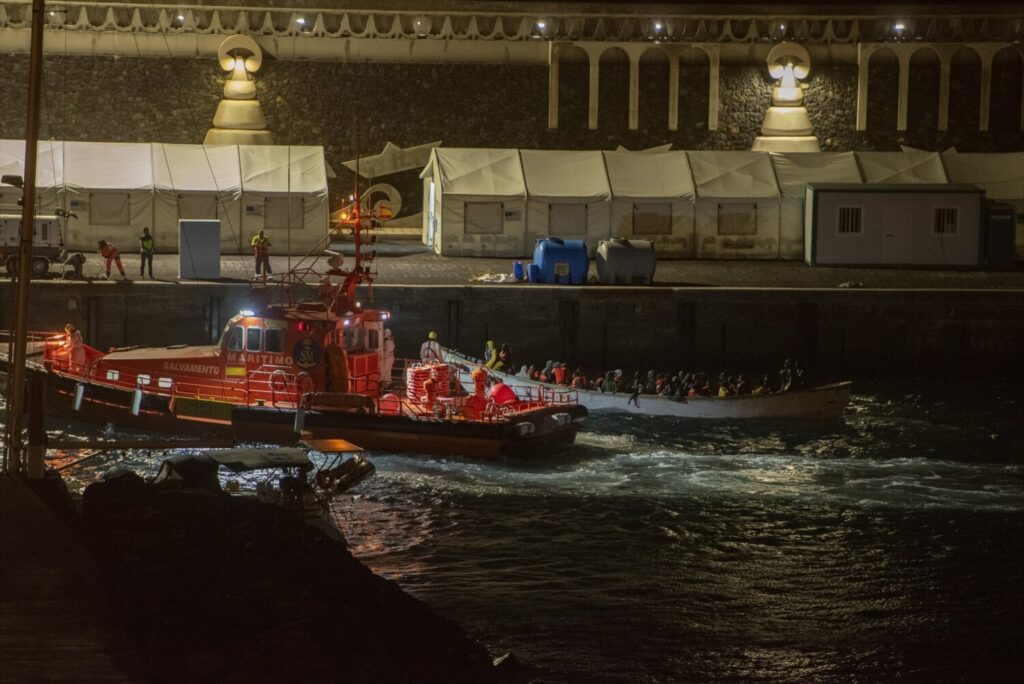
<point x="820" y="402"/>
<point x="308" y="368"/>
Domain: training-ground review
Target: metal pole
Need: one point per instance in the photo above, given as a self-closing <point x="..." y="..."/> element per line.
<point x="16" y="393"/>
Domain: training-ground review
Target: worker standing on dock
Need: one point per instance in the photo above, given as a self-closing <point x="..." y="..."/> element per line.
<point x="261" y="250"/>
<point x="146" y="245"/>
<point x="430" y="350"/>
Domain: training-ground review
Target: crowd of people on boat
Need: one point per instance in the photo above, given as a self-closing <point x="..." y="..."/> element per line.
<point x="679" y="385"/>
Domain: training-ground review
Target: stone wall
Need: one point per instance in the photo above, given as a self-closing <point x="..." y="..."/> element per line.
<point x="349" y="106"/>
<point x="909" y="334"/>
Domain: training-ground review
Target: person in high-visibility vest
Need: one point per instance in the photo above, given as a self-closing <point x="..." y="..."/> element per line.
<point x="261" y="250"/>
<point x="146" y="245"/>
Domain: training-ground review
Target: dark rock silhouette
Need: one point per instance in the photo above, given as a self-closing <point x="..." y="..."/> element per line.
<point x="215" y="587"/>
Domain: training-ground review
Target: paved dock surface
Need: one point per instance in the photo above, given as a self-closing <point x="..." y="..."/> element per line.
<point x="54" y="624"/>
<point x="408" y="264"/>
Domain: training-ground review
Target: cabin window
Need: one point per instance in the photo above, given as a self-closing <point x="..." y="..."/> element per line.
<point x="252" y="339"/>
<point x="235" y="339"/>
<point x="113" y="375"/>
<point x="372" y="339"/>
<point x="484" y="218"/>
<point x="947" y="221"/>
<point x="737" y="219"/>
<point x="353" y="338"/>
<point x="849" y="220"/>
<point x="652" y="219"/>
<point x="274" y="340"/>
<point x="165" y="383"/>
<point x="143" y="379"/>
<point x="110" y="209"/>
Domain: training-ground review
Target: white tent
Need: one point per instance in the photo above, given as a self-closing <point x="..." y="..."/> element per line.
<point x="567" y="196"/>
<point x="197" y="182"/>
<point x="652" y="199"/>
<point x="1000" y="175"/>
<point x="109" y="186"/>
<point x="737" y="211"/>
<point x="476" y="202"/>
<point x="794" y="170"/>
<point x="284" y="192"/>
<point x="908" y="166"/>
<point x="49" y="174"/>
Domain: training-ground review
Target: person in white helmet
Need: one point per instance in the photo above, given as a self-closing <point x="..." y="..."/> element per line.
<point x="430" y="350"/>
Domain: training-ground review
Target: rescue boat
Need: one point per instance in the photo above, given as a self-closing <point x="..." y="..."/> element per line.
<point x="305" y="368"/>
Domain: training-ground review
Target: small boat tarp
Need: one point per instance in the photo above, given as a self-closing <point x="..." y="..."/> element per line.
<point x="476" y="202"/>
<point x="652" y="199"/>
<point x="737" y="208"/>
<point x="567" y="195"/>
<point x="198" y="182"/>
<point x="794" y="170"/>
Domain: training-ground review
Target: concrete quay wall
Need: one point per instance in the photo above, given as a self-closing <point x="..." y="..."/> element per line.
<point x="835" y="333"/>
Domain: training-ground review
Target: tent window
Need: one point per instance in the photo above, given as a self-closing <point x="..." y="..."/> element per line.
<point x="737" y="219"/>
<point x="484" y="218"/>
<point x="849" y="221"/>
<point x="284" y="213"/>
<point x="110" y="209"/>
<point x="947" y="221"/>
<point x="197" y="207"/>
<point x="567" y="219"/>
<point x="652" y="219"/>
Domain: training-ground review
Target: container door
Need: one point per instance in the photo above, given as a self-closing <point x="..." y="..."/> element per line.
<point x="897" y="232"/>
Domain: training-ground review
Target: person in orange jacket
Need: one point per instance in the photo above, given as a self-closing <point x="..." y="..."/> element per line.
<point x="110" y="253"/>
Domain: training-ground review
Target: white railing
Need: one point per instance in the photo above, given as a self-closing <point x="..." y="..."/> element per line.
<point x="512" y="26"/>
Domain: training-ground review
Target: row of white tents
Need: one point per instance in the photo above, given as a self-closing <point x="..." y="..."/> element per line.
<point x="703" y="204"/>
<point x="115" y="189"/>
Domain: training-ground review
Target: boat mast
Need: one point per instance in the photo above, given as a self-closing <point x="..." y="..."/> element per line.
<point x="16" y="386"/>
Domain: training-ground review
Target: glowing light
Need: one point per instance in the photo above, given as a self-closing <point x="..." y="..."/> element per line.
<point x="386" y="315"/>
<point x="181" y="17"/>
<point x="899" y="27"/>
<point x="541" y="25"/>
<point x="359" y="305"/>
<point x="300" y="21"/>
<point x="657" y="26"/>
<point x="348" y="321"/>
<point x="344" y="216"/>
<point x="246" y="312"/>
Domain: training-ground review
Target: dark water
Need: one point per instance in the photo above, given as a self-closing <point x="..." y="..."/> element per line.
<point x="888" y="545"/>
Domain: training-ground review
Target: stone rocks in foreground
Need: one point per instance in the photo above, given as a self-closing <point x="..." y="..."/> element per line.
<point x="224" y="588"/>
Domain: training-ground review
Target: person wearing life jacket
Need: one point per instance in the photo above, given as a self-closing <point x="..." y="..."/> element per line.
<point x="146" y="245"/>
<point x="490" y="354"/>
<point x="558" y="370"/>
<point x="261" y="250"/>
<point x="430" y="350"/>
<point x="75" y="348"/>
<point x="110" y="253"/>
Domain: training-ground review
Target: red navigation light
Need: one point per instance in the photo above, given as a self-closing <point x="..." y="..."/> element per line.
<point x="302" y="326"/>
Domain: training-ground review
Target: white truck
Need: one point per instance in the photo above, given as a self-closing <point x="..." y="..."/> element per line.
<point x="47" y="243"/>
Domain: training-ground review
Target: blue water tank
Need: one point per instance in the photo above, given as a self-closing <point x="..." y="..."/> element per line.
<point x="561" y="261"/>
